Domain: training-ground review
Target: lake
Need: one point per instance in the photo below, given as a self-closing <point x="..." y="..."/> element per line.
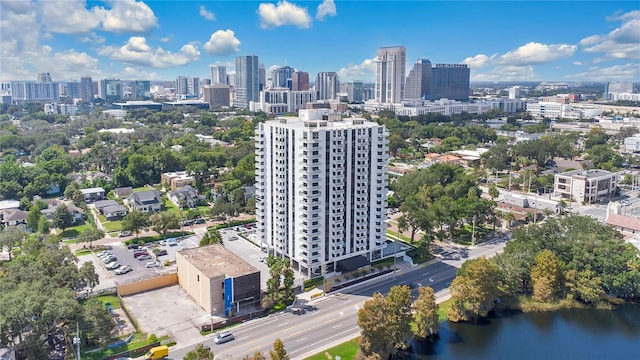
<point x="566" y="334"/>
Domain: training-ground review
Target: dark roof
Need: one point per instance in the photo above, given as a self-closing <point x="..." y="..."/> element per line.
<point x="123" y="191"/>
<point x="146" y="197"/>
<point x="353" y="263"/>
<point x="114" y="208"/>
<point x="105" y="203"/>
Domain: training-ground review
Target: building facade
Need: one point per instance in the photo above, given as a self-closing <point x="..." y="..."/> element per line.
<point x="418" y="83"/>
<point x="355" y="92"/>
<point x="585" y="186"/>
<point x="300" y="81"/>
<point x="321" y="189"/>
<point x="450" y="81"/>
<point x="141" y="90"/>
<point x="390" y="74"/>
<point x="617" y="87"/>
<point x="217" y="94"/>
<point x="247" y="81"/>
<point x="110" y="90"/>
<point x="218" y="74"/>
<point x="327" y="85"/>
<point x="283" y="100"/>
<point x="86" y="88"/>
<point x="282" y="77"/>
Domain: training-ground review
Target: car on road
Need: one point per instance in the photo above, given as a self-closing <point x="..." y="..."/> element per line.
<point x="151" y="264"/>
<point x="144" y="257"/>
<point x="199" y="221"/>
<point x="113" y="265"/>
<point x="224" y="337"/>
<point x="125" y="233"/>
<point x="233" y="238"/>
<point x="123" y="270"/>
<point x="625" y="202"/>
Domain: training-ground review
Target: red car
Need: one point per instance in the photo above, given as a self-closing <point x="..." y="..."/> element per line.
<point x="139" y="253"/>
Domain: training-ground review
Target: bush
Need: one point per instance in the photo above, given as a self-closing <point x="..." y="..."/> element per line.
<point x="152" y="339"/>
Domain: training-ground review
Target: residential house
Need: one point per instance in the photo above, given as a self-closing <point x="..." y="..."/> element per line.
<point x="92" y="194"/>
<point x="76" y="212"/>
<point x="586" y="186"/>
<point x="176" y="179"/>
<point x="111" y="209"/>
<point x="9" y="204"/>
<point x="145" y="201"/>
<point x="14" y="217"/>
<point x="185" y="197"/>
<point x="123" y="192"/>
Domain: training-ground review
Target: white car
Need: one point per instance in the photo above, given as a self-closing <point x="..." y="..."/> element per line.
<point x="114" y="265"/>
<point x="151" y="264"/>
<point x="144" y="257"/>
<point x="123" y="270"/>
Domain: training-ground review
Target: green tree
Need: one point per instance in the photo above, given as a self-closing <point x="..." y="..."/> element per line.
<point x="374" y="333"/>
<point x="256" y="356"/>
<point x="546" y="276"/>
<point x="211" y="237"/>
<point x="162" y="222"/>
<point x="62" y="217"/>
<point x="87" y="275"/>
<point x="425" y="313"/>
<point x="584" y="286"/>
<point x="90" y="235"/>
<point x="33" y="217"/>
<point x="199" y="353"/>
<point x="11" y="237"/>
<point x="398" y="319"/>
<point x="72" y="192"/>
<point x="474" y="290"/>
<point x="278" y="352"/>
<point x="96" y="322"/>
<point x="43" y="225"/>
<point x="135" y="221"/>
<point x="493" y="191"/>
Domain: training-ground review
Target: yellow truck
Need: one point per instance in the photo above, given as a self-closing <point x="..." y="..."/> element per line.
<point x="158" y="352"/>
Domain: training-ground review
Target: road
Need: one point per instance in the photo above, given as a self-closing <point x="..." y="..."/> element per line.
<point x="330" y="320"/>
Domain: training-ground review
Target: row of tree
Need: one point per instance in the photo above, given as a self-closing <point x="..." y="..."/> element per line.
<point x="201" y="352"/>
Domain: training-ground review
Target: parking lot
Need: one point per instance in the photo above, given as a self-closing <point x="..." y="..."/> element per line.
<point x="140" y="268"/>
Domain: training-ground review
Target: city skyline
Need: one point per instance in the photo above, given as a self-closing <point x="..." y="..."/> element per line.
<point x="160" y="40"/>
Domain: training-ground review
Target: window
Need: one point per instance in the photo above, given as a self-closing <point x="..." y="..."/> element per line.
<point x="198" y="277"/>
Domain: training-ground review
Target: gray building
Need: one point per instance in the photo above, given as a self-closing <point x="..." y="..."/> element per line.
<point x="110" y="90"/>
<point x="247" y="81"/>
<point x="418" y="82"/>
<point x="141" y="90"/>
<point x="327" y="85"/>
<point x="86" y="88"/>
<point x="218" y="74"/>
<point x="450" y="81"/>
<point x="282" y="77"/>
<point x="390" y="74"/>
<point x="355" y="91"/>
<point x="216" y="94"/>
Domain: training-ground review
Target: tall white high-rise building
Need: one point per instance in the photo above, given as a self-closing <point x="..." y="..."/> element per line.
<point x="617" y="87"/>
<point x="321" y="190"/>
<point x="219" y="74"/>
<point x="327" y="85"/>
<point x="390" y="74"/>
<point x="247" y="81"/>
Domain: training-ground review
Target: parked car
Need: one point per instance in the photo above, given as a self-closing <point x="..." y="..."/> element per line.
<point x="144" y="257"/>
<point x="125" y="233"/>
<point x="172" y="242"/>
<point x="110" y="259"/>
<point x="151" y="264"/>
<point x="133" y="247"/>
<point x="113" y="265"/>
<point x="199" y="221"/>
<point x="104" y="253"/>
<point x="224" y="337"/>
<point x="138" y="253"/>
<point x="123" y="270"/>
<point x="161" y="252"/>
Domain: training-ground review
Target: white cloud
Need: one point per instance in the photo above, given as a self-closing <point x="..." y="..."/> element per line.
<point x="138" y="52"/>
<point x="365" y="71"/>
<point x="577" y="63"/>
<point x="167" y="38"/>
<point x="505" y="73"/>
<point x="620" y="43"/>
<point x="93" y="38"/>
<point x="284" y="13"/>
<point x="129" y="16"/>
<point x="623" y="72"/>
<point x="536" y="53"/>
<point x="70" y="16"/>
<point x="327" y="8"/>
<point x="222" y="42"/>
<point x="478" y="61"/>
<point x="206" y="13"/>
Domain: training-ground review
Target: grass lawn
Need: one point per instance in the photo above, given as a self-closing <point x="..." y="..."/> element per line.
<point x="73" y="231"/>
<point x="399" y="236"/>
<point x="139" y="340"/>
<point x="346" y="350"/>
<point x="111" y="226"/>
<point x="81" y="252"/>
<point x="171" y="207"/>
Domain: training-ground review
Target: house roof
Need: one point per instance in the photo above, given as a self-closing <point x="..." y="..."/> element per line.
<point x="216" y="260"/>
<point x="146" y="197"/>
<point x="14" y="215"/>
<point x="114" y="208"/>
<point x="623" y="221"/>
<point x="123" y="191"/>
<point x="91" y="190"/>
<point x="105" y="203"/>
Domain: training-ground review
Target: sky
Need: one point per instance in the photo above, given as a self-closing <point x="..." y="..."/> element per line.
<point x="565" y="41"/>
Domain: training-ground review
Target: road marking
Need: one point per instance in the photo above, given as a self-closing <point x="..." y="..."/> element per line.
<point x="283" y="324"/>
<point x="303" y="339"/>
<point x="430" y="279"/>
<point x="340" y="313"/>
<point x="336" y="326"/>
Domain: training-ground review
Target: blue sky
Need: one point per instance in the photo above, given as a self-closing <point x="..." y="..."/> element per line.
<point x="499" y="40"/>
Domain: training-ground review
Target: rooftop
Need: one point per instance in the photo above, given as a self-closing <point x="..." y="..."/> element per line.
<point x="215" y="260"/>
<point x="592" y="173"/>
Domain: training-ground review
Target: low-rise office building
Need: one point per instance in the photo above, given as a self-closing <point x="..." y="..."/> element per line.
<point x="217" y="279"/>
<point x="586" y="186"/>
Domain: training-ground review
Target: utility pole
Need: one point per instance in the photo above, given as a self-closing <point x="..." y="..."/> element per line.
<point x="473" y="231"/>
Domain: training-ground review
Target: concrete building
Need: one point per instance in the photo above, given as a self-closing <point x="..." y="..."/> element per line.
<point x="86" y="88"/>
<point x="616" y="87"/>
<point x="585" y="186"/>
<point x="142" y="104"/>
<point x="283" y="100"/>
<point x="632" y="144"/>
<point x="515" y="92"/>
<point x="176" y="179"/>
<point x="418" y="82"/>
<point x="219" y="74"/>
<point x="141" y="89"/>
<point x="22" y="91"/>
<point x="390" y="74"/>
<point x="327" y="85"/>
<point x="217" y="279"/>
<point x="355" y="92"/>
<point x="321" y="190"/>
<point x="247" y="81"/>
<point x="300" y="81"/>
<point x="282" y="77"/>
<point x="188" y="86"/>
<point x="110" y="90"/>
<point x="217" y="95"/>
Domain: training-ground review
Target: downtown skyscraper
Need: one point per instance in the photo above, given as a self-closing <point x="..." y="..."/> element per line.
<point x="390" y="74"/>
<point x="321" y="190"/>
<point x="327" y="85"/>
<point x="247" y="81"/>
